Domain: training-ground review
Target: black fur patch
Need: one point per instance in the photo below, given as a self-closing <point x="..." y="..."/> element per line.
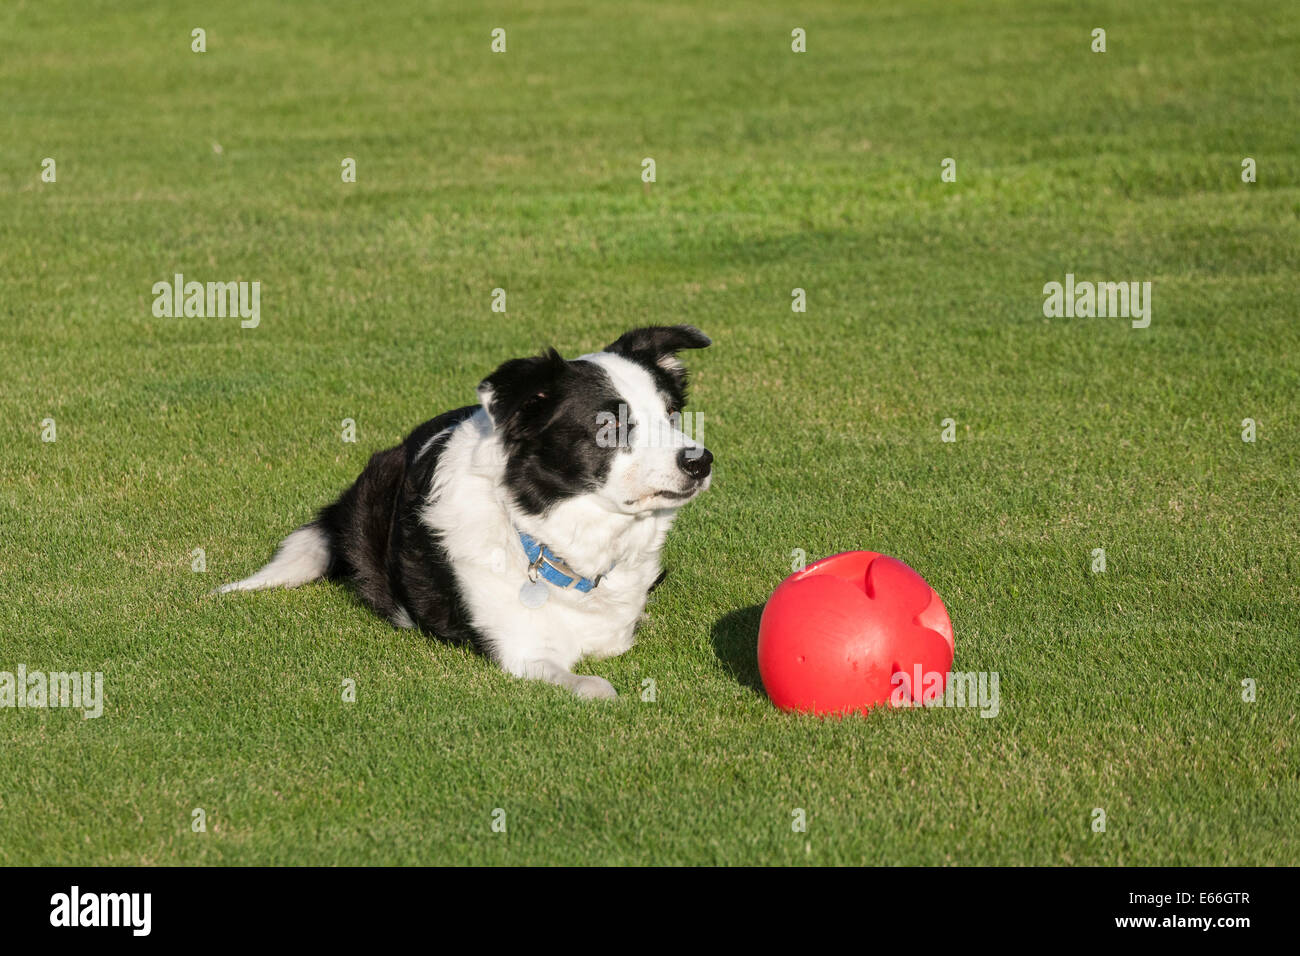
<point x="655" y="347"/>
<point x="379" y="545"/>
<point x="546" y="411"/>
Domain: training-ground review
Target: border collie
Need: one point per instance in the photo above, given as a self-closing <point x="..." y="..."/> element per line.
<point x="530" y="525"/>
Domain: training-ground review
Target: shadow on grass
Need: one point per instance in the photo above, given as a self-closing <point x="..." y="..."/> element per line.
<point x="735" y="642"/>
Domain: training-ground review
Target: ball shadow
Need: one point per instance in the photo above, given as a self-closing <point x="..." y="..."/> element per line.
<point x="735" y="643"/>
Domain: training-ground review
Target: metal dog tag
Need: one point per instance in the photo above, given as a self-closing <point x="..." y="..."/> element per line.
<point x="533" y="594"/>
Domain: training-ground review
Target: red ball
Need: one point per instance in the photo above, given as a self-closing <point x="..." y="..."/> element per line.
<point x="833" y="635"/>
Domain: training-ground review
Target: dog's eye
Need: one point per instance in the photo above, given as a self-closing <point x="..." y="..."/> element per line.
<point x="672" y="410"/>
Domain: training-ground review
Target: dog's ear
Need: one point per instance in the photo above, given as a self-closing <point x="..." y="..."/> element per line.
<point x="520" y="389"/>
<point x="657" y="345"/>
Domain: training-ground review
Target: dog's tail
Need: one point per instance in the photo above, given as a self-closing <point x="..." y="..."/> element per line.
<point x="303" y="556"/>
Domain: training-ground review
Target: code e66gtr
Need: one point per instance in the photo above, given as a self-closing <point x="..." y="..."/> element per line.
<point x="1224" y="898"/>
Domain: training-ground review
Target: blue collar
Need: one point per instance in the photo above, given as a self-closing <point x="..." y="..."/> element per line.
<point x="545" y="563"/>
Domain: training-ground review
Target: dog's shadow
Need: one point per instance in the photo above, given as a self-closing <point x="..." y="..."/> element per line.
<point x="735" y="643"/>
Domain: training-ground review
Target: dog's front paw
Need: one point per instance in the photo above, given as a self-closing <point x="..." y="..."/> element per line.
<point x="594" y="687"/>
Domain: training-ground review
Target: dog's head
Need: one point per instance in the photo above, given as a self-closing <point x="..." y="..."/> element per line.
<point x="609" y="424"/>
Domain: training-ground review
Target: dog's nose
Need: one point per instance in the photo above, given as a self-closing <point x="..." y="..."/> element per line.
<point x="696" y="462"/>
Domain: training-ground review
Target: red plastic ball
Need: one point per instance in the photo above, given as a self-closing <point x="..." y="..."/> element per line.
<point x="833" y="636"/>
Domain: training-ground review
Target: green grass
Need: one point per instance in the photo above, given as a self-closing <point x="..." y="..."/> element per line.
<point x="775" y="170"/>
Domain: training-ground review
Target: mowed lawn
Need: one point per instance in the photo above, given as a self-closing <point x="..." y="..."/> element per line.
<point x="1120" y="691"/>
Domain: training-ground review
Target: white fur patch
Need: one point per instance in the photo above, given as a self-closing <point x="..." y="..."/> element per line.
<point x="303" y="556"/>
<point x="639" y="479"/>
<point x="429" y="444"/>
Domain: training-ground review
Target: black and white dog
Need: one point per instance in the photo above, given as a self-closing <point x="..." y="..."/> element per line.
<point x="529" y="525"/>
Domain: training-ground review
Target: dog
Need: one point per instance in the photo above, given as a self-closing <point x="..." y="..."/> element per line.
<point x="530" y="525"/>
